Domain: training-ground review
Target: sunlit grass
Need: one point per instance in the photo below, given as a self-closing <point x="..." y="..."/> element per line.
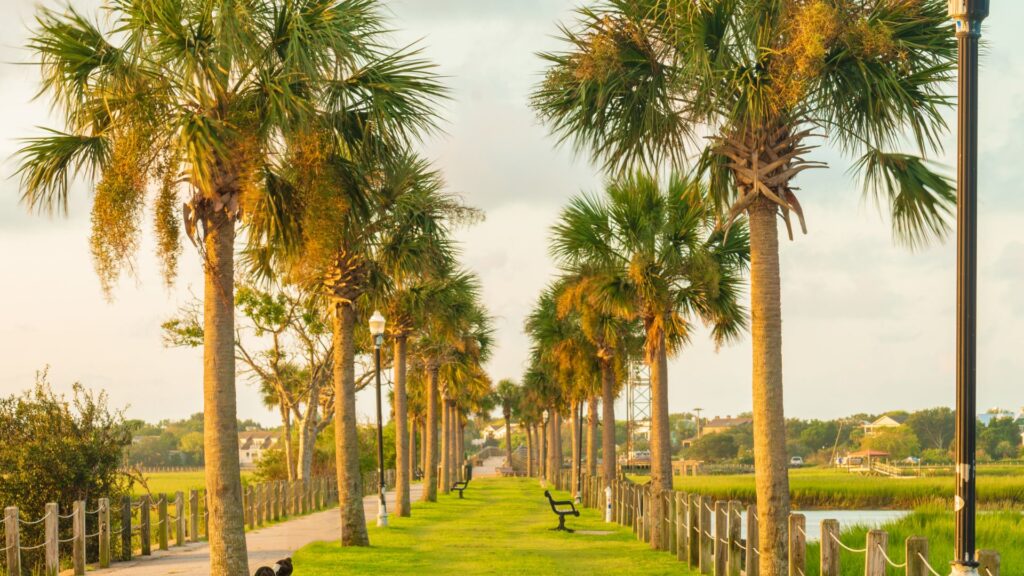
<point x="998" y="487"/>
<point x="501" y="527"/>
<point x="171" y="482"/>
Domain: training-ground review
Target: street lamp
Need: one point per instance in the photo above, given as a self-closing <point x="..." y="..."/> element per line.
<point x="698" y="411"/>
<point x="377" y="324"/>
<point x="968" y="15"/>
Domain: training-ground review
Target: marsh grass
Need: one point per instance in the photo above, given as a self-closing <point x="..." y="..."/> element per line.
<point x="999" y="487"/>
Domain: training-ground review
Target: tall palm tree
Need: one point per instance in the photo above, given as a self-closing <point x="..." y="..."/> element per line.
<point x="196" y="98"/>
<point x="508" y="395"/>
<point x="764" y="77"/>
<point x="653" y="255"/>
<point x="455" y="330"/>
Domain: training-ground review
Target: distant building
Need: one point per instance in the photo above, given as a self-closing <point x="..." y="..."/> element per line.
<point x="883" y="422"/>
<point x="717" y="425"/>
<point x="252" y="444"/>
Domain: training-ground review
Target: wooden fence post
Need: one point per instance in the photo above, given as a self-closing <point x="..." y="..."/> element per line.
<point x="250" y="506"/>
<point x="163" y="529"/>
<point x="706" y="542"/>
<point x="126" y="528"/>
<point x="829" y="564"/>
<point x="179" y="521"/>
<point x="145" y="525"/>
<point x="917" y="557"/>
<point x="12" y="540"/>
<point x="51" y="527"/>
<point x="797" y="545"/>
<point x="874" y="564"/>
<point x="680" y="526"/>
<point x="104" y="531"/>
<point x="260" y="494"/>
<point x="735" y="567"/>
<point x="989" y="562"/>
<point x="669" y="521"/>
<point x="753" y="541"/>
<point x="721" y="533"/>
<point x="693" y="531"/>
<point x="78" y="537"/>
<point x="193" y="515"/>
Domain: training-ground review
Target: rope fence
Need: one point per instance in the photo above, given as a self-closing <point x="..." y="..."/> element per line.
<point x="720" y="537"/>
<point x="104" y="532"/>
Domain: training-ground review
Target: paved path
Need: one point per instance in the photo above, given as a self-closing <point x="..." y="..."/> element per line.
<point x="265" y="545"/>
<point x="489" y="468"/>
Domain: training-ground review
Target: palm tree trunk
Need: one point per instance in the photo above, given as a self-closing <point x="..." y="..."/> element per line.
<point x="289" y="459"/>
<point x="446" y="437"/>
<point x="346" y="444"/>
<point x="423" y="448"/>
<point x="228" y="554"/>
<point x="460" y="453"/>
<point x="529" y="451"/>
<point x="508" y="438"/>
<point x="402" y="503"/>
<point x="770" y="467"/>
<point x="554" y="447"/>
<point x="608" y="456"/>
<point x="431" y="456"/>
<point x="661" y="447"/>
<point x="542" y="451"/>
<point x="412" y="452"/>
<point x="592" y="436"/>
<point x="576" y="448"/>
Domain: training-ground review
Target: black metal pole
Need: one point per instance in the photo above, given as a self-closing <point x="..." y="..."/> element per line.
<point x="579" y="452"/>
<point x="382" y="515"/>
<point x="968" y="15"/>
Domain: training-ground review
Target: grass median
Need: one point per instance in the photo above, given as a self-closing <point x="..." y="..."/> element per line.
<point x="501" y="527"/>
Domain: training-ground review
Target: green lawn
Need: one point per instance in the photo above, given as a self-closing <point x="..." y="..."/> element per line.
<point x="171" y="482"/>
<point x="501" y="527"/>
<point x="998" y="487"/>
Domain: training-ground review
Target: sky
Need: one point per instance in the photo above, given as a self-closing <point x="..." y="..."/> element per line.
<point x="868" y="325"/>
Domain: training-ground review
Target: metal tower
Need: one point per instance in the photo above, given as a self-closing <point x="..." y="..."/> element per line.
<point x="638" y="407"/>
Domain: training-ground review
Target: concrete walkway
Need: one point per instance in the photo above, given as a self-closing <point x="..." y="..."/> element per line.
<point x="265" y="545"/>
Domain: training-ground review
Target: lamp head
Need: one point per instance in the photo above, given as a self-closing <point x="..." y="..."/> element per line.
<point x="377" y="324"/>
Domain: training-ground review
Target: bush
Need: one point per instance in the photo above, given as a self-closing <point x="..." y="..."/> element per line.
<point x="54" y="449"/>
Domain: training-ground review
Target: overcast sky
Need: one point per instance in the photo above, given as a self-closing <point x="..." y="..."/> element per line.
<point x="868" y="327"/>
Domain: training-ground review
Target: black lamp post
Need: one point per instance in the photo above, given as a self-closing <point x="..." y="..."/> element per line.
<point x="579" y="453"/>
<point x="377" y="324"/>
<point x="968" y="15"/>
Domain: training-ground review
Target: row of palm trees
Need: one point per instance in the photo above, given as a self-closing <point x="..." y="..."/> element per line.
<point x="736" y="94"/>
<point x="285" y="127"/>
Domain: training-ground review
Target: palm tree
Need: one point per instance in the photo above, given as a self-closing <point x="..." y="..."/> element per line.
<point x="455" y="331"/>
<point x="764" y="77"/>
<point x="508" y="396"/>
<point x="654" y="256"/>
<point x="196" y="98"/>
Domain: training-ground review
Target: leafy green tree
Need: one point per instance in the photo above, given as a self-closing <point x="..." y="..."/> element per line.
<point x="714" y="447"/>
<point x="934" y="427"/>
<point x="899" y="442"/>
<point x="652" y="255"/>
<point x="645" y="83"/>
<point x="1001" y="438"/>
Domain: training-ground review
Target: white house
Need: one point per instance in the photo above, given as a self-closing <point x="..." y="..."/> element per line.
<point x="252" y="444"/>
<point x="883" y="422"/>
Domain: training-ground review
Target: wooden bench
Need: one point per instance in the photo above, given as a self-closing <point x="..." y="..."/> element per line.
<point x="563" y="512"/>
<point x="460" y="486"/>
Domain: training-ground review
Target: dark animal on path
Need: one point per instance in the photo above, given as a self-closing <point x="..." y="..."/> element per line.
<point x="281" y="568"/>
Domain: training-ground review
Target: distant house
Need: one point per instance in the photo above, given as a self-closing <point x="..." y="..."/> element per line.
<point x="883" y="422"/>
<point x="252" y="444"/>
<point x="996" y="414"/>
<point x="717" y="425"/>
<point x="497" y="431"/>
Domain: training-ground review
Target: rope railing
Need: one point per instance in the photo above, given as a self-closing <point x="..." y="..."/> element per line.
<point x="881" y="549"/>
<point x="929" y="566"/>
<point x="854" y="550"/>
